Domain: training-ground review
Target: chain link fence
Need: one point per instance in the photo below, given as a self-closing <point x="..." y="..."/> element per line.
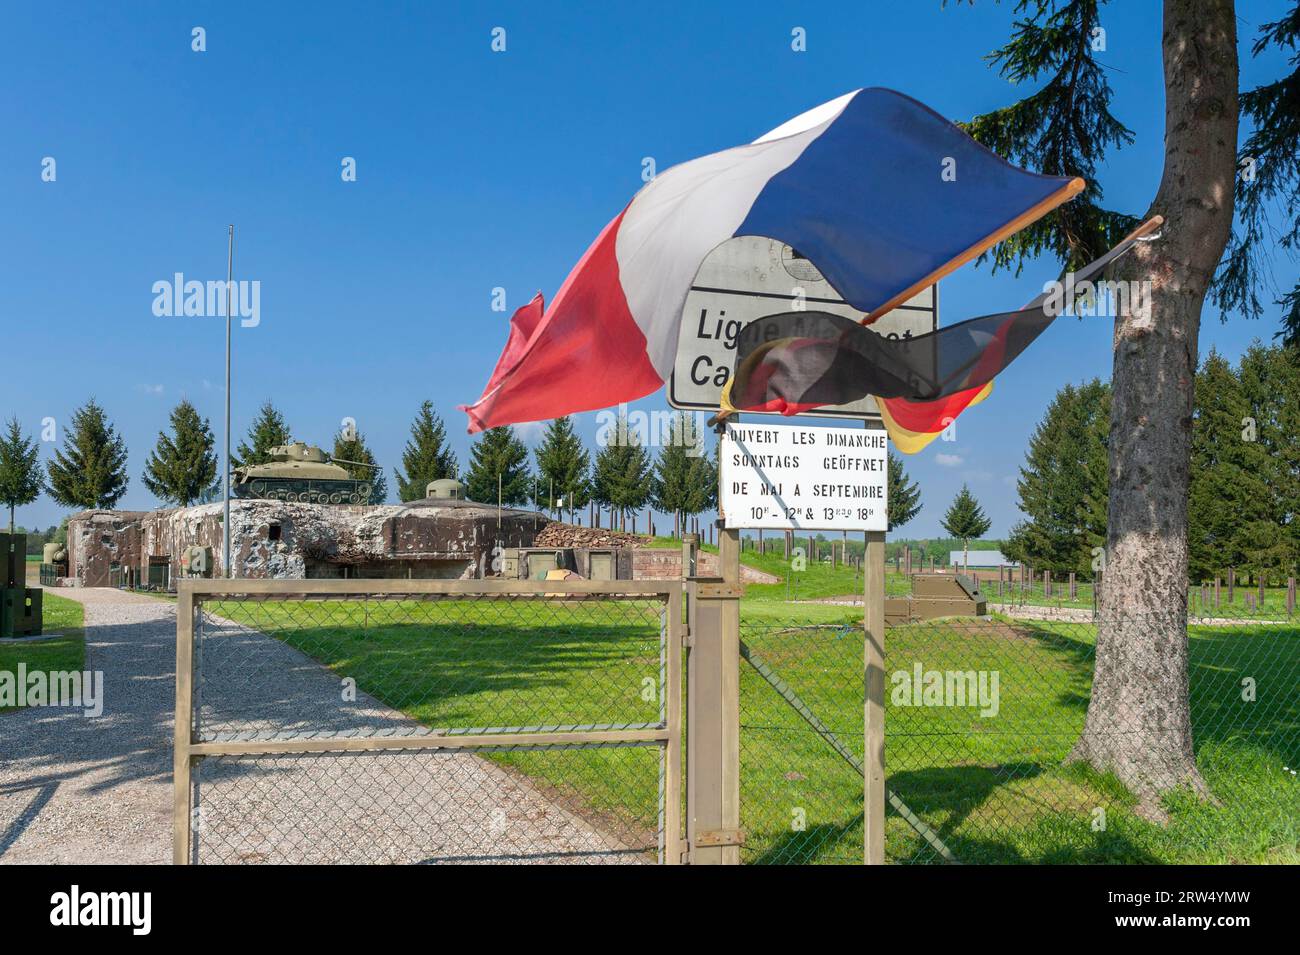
<point x="1038" y="593"/>
<point x="982" y="715"/>
<point x="436" y="725"/>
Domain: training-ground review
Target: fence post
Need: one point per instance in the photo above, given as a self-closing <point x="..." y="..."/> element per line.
<point x="182" y="763"/>
<point x="873" y="713"/>
<point x="689" y="544"/>
<point x="713" y="713"/>
<point x="873" y="703"/>
<point x="1290" y="596"/>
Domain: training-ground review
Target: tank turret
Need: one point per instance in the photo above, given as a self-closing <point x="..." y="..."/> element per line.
<point x="304" y="473"/>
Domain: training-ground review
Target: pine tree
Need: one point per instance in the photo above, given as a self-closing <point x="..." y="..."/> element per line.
<point x="351" y="451"/>
<point x="90" y="471"/>
<point x="1063" y="483"/>
<point x="1063" y="126"/>
<point x="183" y="465"/>
<point x="702" y="479"/>
<point x="1270" y="381"/>
<point x="563" y="467"/>
<point x="499" y="455"/>
<point x="622" y="477"/>
<point x="904" y="494"/>
<point x="20" y="471"/>
<point x="966" y="519"/>
<point x="269" y="430"/>
<point x="1243" y="487"/>
<point x="1219" y="499"/>
<point x="427" y="456"/>
<point x="1269" y="185"/>
<point x="675" y="479"/>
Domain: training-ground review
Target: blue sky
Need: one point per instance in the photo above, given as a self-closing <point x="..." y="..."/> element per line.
<point x="474" y="170"/>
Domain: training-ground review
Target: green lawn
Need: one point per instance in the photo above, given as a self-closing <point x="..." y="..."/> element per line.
<point x="992" y="788"/>
<point x="67" y="653"/>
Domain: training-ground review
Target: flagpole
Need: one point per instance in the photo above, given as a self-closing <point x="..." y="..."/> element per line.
<point x="225" y="523"/>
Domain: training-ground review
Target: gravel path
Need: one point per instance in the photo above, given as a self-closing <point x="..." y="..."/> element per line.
<point x="74" y="789"/>
<point x="77" y="789"/>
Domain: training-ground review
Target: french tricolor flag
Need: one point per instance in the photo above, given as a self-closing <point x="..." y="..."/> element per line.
<point x="882" y="194"/>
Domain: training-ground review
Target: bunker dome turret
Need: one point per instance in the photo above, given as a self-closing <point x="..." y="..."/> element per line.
<point x="444" y="489"/>
<point x="304" y="473"/>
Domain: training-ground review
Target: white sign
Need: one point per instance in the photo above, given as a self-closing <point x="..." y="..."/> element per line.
<point x="747" y="278"/>
<point x="798" y="477"/>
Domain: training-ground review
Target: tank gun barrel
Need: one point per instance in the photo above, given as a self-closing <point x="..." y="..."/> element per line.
<point x="360" y="464"/>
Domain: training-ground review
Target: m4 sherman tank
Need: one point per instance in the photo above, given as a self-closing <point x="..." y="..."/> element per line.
<point x="304" y="473"/>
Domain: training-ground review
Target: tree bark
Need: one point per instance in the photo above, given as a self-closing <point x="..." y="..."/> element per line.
<point x="1139" y="722"/>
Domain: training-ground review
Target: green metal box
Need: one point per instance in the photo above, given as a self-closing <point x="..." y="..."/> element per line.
<point x="20" y="611"/>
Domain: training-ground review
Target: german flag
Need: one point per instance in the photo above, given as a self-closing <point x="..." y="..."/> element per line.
<point x="795" y="362"/>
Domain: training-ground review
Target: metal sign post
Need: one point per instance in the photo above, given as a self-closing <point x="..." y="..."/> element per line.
<point x="713" y="833"/>
<point x="225" y="522"/>
<point x="873" y="709"/>
<point x="802" y="478"/>
<point x="744" y="279"/>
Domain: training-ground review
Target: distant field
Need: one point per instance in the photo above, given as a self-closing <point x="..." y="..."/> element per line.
<point x="819" y="579"/>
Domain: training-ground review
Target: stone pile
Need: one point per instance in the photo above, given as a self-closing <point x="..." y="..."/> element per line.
<point x="558" y="534"/>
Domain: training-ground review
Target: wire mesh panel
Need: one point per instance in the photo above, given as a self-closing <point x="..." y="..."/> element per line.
<point x="801" y="696"/>
<point x="983" y="717"/>
<point x="455" y="722"/>
<point x="593" y="805"/>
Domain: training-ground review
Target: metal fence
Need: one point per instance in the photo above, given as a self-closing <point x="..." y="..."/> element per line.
<point x="428" y="721"/>
<point x="982" y="715"/>
<point x="1077" y="598"/>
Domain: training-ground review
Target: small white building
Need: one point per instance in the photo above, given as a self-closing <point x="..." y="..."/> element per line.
<point x="980" y="559"/>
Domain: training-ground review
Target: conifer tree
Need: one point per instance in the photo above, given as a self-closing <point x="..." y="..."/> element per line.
<point x="677" y="477"/>
<point x="1270" y="382"/>
<point x="1063" y="483"/>
<point x="269" y="429"/>
<point x="499" y="455"/>
<point x="427" y="456"/>
<point x="90" y="470"/>
<point x="355" y="457"/>
<point x="1063" y="126"/>
<point x="20" y="471"/>
<point x="702" y="479"/>
<point x="966" y="520"/>
<point x="563" y="467"/>
<point x="622" y="477"/>
<point x="183" y="465"/>
<point x="904" y="494"/>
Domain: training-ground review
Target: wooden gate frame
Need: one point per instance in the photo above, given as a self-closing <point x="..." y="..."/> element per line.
<point x="188" y="749"/>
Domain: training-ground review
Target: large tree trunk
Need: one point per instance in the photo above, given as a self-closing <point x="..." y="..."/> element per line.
<point x="1139" y="724"/>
